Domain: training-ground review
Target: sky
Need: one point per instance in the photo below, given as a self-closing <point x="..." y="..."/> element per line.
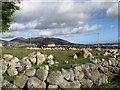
<point x="77" y="21"/>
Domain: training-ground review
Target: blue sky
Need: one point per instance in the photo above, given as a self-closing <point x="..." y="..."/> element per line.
<point x="73" y="21"/>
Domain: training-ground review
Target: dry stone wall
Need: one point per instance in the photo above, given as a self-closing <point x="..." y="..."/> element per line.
<point x="94" y="73"/>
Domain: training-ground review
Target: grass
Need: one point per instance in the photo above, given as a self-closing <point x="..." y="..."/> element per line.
<point x="59" y="56"/>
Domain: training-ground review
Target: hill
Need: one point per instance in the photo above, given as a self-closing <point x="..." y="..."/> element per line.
<point x="38" y="40"/>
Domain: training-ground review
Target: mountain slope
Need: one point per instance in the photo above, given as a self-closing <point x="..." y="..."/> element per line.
<point x="38" y="40"/>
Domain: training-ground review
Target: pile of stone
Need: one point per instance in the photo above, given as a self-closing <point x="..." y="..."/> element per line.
<point x="95" y="73"/>
<point x="83" y="53"/>
<point x="111" y="53"/>
<point x="12" y="65"/>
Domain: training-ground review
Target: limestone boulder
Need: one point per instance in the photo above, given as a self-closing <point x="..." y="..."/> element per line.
<point x="15" y="59"/>
<point x="78" y="74"/>
<point x="34" y="82"/>
<point x="20" y="80"/>
<point x="74" y="84"/>
<point x="50" y="58"/>
<point x="5" y="83"/>
<point x="55" y="78"/>
<point x="40" y="59"/>
<point x="12" y="71"/>
<point x="95" y="75"/>
<point x="7" y="57"/>
<point x="65" y="74"/>
<point x="86" y="83"/>
<point x="30" y="72"/>
<point x="42" y="73"/>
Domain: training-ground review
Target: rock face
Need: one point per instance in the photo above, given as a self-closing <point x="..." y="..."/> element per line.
<point x="20" y="80"/>
<point x="55" y="78"/>
<point x="12" y="71"/>
<point x="34" y="82"/>
<point x="42" y="73"/>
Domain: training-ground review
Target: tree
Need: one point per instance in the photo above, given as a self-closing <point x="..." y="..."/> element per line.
<point x="7" y="9"/>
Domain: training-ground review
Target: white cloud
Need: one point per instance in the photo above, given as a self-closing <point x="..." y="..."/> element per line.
<point x="41" y="14"/>
<point x="10" y="34"/>
<point x="68" y="31"/>
<point x="19" y="26"/>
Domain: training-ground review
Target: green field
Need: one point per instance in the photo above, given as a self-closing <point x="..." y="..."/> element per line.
<point x="59" y="56"/>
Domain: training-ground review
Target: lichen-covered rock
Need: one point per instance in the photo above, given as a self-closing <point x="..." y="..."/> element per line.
<point x="78" y="74"/>
<point x="32" y="60"/>
<point x="73" y="84"/>
<point x="12" y="71"/>
<point x="15" y="59"/>
<point x="95" y="75"/>
<point x="30" y="72"/>
<point x="86" y="83"/>
<point x="3" y="67"/>
<point x="7" y="57"/>
<point x="5" y="83"/>
<point x="40" y="59"/>
<point x="77" y="66"/>
<point x="26" y="63"/>
<point x="55" y="78"/>
<point x="85" y="66"/>
<point x="71" y="73"/>
<point x="50" y="58"/>
<point x="13" y="86"/>
<point x="34" y="82"/>
<point x="42" y="73"/>
<point x="20" y="80"/>
<point x="65" y="74"/>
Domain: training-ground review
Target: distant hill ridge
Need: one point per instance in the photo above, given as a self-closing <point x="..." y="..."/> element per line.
<point x="38" y="40"/>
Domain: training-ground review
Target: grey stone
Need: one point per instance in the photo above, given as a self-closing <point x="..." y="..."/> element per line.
<point x="34" y="82"/>
<point x="85" y="66"/>
<point x="74" y="84"/>
<point x="71" y="73"/>
<point x="30" y="72"/>
<point x="50" y="58"/>
<point x="42" y="73"/>
<point x="12" y="71"/>
<point x="26" y="63"/>
<point x="5" y="83"/>
<point x="7" y="57"/>
<point x="78" y="74"/>
<point x="65" y="74"/>
<point x="51" y="62"/>
<point x="86" y="83"/>
<point x="40" y="59"/>
<point x="33" y="60"/>
<point x="20" y="80"/>
<point x="77" y="66"/>
<point x="15" y="59"/>
<point x="55" y="77"/>
<point x="87" y="74"/>
<point x="13" y="86"/>
<point x="95" y="75"/>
